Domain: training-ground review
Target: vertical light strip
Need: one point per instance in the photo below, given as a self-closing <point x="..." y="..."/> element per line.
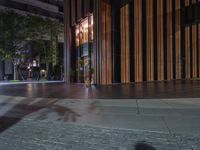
<point x="169" y="41"/>
<point x="160" y="40"/>
<point x="150" y="41"/>
<point x="138" y="40"/>
<point x="187" y="47"/>
<point x="178" y="38"/>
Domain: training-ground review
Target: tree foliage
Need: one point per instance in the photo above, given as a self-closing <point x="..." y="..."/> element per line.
<point x="12" y="35"/>
<point x="18" y="30"/>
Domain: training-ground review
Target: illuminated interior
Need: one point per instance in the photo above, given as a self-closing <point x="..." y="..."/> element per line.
<point x="84" y="46"/>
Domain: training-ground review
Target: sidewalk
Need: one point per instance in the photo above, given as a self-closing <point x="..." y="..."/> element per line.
<point x="166" y="124"/>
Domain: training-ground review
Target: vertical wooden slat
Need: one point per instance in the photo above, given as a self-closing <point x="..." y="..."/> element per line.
<point x="79" y="9"/>
<point x="125" y="50"/>
<point x="150" y="41"/>
<point x="86" y="7"/>
<point x="97" y="42"/>
<point x="122" y="43"/>
<point x="160" y="40"/>
<point x="73" y="12"/>
<point x="198" y="44"/>
<point x="103" y="71"/>
<point x="138" y="40"/>
<point x="194" y="49"/>
<point x="67" y="41"/>
<point x="109" y="48"/>
<point x="127" y="45"/>
<point x="178" y="38"/>
<point x="106" y="69"/>
<point x="187" y="47"/>
<point x="169" y="41"/>
<point x="199" y="50"/>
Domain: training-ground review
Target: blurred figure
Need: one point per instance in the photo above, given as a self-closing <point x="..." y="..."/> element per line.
<point x="143" y="146"/>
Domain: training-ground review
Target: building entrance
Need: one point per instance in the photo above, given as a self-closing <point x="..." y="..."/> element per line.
<point x="84" y="50"/>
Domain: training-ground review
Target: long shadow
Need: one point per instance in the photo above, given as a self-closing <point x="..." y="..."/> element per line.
<point x="143" y="146"/>
<point x="27" y="106"/>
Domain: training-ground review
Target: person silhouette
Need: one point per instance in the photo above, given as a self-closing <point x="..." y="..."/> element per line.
<point x="143" y="146"/>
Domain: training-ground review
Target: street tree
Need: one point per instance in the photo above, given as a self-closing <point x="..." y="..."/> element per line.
<point x="12" y="38"/>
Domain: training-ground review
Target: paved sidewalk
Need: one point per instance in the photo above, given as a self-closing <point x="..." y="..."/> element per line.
<point x="47" y="123"/>
<point x="40" y="135"/>
<point x="145" y="90"/>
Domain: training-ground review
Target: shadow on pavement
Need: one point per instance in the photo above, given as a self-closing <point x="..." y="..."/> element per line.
<point x="27" y="107"/>
<point x="143" y="146"/>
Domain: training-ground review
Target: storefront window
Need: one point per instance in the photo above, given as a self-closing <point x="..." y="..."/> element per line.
<point x="84" y="45"/>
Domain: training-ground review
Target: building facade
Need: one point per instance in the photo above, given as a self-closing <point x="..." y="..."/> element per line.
<point x="126" y="41"/>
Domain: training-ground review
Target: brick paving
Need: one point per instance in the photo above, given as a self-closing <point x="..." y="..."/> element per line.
<point x="44" y="135"/>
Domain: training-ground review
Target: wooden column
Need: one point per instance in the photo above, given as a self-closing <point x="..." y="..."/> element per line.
<point x="67" y="41"/>
<point x="102" y="42"/>
<point x="96" y="42"/>
<point x="199" y="49"/>
<point x="73" y="12"/>
<point x="150" y="41"/>
<point x="178" y="38"/>
<point x="138" y="40"/>
<point x="86" y="9"/>
<point x="194" y="49"/>
<point x="79" y="10"/>
<point x="125" y="44"/>
<point x="187" y="47"/>
<point x="106" y="44"/>
<point x="169" y="41"/>
<point x="160" y="40"/>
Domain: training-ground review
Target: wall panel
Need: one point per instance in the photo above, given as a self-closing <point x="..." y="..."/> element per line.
<point x="160" y="40"/>
<point x="178" y="38"/>
<point x="125" y="44"/>
<point x="138" y="40"/>
<point x="169" y="41"/>
<point x="79" y="9"/>
<point x="86" y="9"/>
<point x="199" y="50"/>
<point x="194" y="49"/>
<point x="150" y="41"/>
<point x="73" y="12"/>
<point x="106" y="69"/>
<point x="187" y="47"/>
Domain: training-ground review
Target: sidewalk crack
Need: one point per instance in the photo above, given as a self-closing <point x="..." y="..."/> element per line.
<point x="138" y="109"/>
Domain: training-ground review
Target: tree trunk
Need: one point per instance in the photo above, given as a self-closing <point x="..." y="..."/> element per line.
<point x="20" y="73"/>
<point x="15" y="72"/>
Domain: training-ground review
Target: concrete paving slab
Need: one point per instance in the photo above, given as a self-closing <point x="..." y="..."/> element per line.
<point x="167" y="117"/>
<point x="185" y="125"/>
<point x="31" y="135"/>
<point x="156" y="107"/>
<point x="183" y="103"/>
